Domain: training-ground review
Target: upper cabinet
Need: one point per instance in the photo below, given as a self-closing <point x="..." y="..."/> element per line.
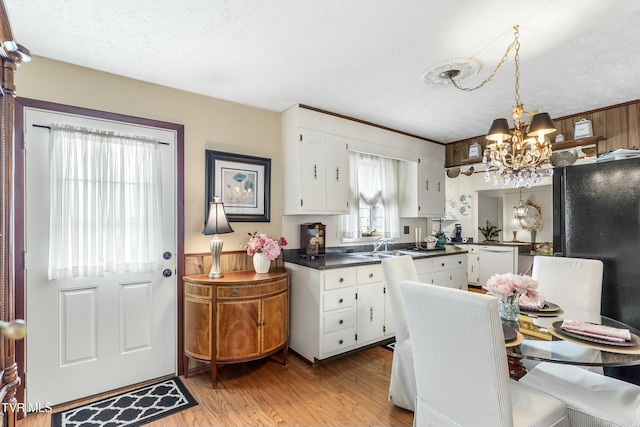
<point x="422" y="192"/>
<point x="316" y="170"/>
<point x="315" y="154"/>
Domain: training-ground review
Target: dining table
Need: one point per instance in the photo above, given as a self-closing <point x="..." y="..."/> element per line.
<point x="540" y="337"/>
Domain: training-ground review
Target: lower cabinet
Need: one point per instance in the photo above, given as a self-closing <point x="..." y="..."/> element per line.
<point x="240" y="317"/>
<point x="338" y="310"/>
<point x="449" y="271"/>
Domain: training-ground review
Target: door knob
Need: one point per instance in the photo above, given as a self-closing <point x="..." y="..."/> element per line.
<point x="166" y="272"/>
<point x="166" y="255"/>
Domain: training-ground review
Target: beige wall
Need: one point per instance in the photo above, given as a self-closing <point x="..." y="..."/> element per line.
<point x="209" y="123"/>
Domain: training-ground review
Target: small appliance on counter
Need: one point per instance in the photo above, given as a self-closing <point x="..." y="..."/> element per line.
<point x="312" y="239"/>
<point x="457" y="238"/>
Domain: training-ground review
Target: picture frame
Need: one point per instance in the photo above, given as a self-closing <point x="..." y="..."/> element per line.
<point x="243" y="184"/>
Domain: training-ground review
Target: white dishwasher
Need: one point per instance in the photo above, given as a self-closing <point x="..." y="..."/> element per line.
<point x="496" y="259"/>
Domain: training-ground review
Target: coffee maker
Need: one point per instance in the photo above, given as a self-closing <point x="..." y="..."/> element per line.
<point x="457" y="238"/>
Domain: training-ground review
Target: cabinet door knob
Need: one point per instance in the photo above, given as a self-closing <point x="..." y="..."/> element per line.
<point x="234" y="292"/>
<point x="443" y="264"/>
<point x="459" y="262"/>
<point x="340" y="342"/>
<point x="341" y="300"/>
<point x="341" y="321"/>
<point x="280" y="286"/>
<point x="340" y="280"/>
<point x="370" y="275"/>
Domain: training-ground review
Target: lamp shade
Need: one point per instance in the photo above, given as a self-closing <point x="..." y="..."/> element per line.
<point x="499" y="130"/>
<point x="217" y="222"/>
<point x="541" y="124"/>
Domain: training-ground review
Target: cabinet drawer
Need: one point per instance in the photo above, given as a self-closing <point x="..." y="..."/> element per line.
<point x="198" y="291"/>
<point x="369" y="274"/>
<point x="423" y="266"/>
<point x="338" y="321"/>
<point x="340" y="298"/>
<point x="338" y="342"/>
<point x="244" y="291"/>
<point x="339" y="279"/>
<point x="449" y="262"/>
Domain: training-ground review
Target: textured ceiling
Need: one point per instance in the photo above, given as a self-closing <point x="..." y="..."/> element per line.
<point x="360" y="58"/>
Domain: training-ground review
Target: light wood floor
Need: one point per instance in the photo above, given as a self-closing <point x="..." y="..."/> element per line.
<point x="351" y="391"/>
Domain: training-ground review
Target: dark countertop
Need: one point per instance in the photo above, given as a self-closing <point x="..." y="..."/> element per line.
<point x="342" y="259"/>
<point x="496" y="243"/>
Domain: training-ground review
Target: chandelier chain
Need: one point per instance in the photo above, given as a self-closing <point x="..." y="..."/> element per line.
<point x="515" y="44"/>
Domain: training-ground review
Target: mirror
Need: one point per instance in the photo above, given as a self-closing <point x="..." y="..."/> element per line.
<point x="532" y="218"/>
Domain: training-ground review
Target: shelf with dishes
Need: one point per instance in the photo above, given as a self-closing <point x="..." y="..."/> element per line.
<point x="580" y="142"/>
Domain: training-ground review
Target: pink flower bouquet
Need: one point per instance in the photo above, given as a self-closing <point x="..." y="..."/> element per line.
<point x="269" y="247"/>
<point x="508" y="286"/>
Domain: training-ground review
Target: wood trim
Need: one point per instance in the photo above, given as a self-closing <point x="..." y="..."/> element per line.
<point x="12" y="55"/>
<point x="306" y="107"/>
<point x="619" y="126"/>
<point x="21" y="103"/>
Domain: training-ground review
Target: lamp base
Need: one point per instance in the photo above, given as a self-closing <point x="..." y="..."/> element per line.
<point x="215" y="245"/>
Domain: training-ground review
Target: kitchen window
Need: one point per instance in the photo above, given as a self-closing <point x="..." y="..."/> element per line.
<point x="373" y="198"/>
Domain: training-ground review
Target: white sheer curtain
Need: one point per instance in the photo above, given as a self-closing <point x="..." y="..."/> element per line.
<point x="372" y="179"/>
<point x="105" y="203"/>
<point x="350" y="224"/>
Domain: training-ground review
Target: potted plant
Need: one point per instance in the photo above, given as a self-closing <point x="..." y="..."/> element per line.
<point x="490" y="232"/>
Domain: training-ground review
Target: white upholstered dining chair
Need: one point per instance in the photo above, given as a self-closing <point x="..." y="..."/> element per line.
<point x="402" y="386"/>
<point x="461" y="368"/>
<point x="572" y="283"/>
<point x="575" y="284"/>
<point x="592" y="400"/>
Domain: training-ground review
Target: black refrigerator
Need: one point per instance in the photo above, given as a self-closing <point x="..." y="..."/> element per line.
<point x="596" y="214"/>
<point x="596" y="209"/>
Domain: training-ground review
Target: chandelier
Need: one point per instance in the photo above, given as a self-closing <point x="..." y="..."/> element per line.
<point x="516" y="155"/>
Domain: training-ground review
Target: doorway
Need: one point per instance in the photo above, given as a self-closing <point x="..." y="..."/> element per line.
<point x="112" y="331"/>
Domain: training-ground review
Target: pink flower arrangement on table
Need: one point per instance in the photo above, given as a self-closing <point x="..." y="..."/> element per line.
<point x="260" y="243"/>
<point x="508" y="286"/>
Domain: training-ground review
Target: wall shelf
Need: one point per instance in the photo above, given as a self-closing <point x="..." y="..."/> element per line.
<point x="582" y="142"/>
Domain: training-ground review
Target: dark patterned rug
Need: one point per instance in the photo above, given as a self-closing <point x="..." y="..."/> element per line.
<point x="134" y="408"/>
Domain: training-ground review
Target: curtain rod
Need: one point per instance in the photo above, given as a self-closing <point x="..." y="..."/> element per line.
<point x="49" y="127"/>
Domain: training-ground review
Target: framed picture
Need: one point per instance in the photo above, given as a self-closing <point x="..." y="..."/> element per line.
<point x="243" y="184"/>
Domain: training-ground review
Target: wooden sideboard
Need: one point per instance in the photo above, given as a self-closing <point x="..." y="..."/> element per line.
<point x="240" y="317"/>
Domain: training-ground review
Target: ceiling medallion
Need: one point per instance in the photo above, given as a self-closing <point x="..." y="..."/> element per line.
<point x="457" y="70"/>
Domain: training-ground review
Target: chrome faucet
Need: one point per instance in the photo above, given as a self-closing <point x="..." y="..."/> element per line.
<point x="381" y="241"/>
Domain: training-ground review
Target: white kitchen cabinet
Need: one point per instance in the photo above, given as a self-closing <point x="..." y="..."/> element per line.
<point x="370" y="304"/>
<point x="422" y="190"/>
<point x="473" y="264"/>
<point x="431" y="186"/>
<point x="335" y="311"/>
<point x="424" y="268"/>
<point x="450" y="271"/>
<point x="316" y="170"/>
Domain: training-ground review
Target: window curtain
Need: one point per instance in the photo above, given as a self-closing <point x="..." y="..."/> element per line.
<point x="372" y="179"/>
<point x="105" y="203"/>
<point x="350" y="224"/>
<point x="390" y="196"/>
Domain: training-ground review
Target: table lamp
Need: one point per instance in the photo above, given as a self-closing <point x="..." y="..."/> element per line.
<point x="515" y="225"/>
<point x="217" y="223"/>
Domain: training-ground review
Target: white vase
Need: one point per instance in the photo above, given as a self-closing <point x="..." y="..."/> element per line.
<point x="260" y="263"/>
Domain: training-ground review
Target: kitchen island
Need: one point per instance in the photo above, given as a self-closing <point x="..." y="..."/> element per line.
<point x="339" y="302"/>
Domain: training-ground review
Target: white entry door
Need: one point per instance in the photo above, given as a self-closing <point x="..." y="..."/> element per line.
<point x="90" y="335"/>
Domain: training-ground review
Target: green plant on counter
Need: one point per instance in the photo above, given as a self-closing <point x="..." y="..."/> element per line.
<point x="490" y="232"/>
